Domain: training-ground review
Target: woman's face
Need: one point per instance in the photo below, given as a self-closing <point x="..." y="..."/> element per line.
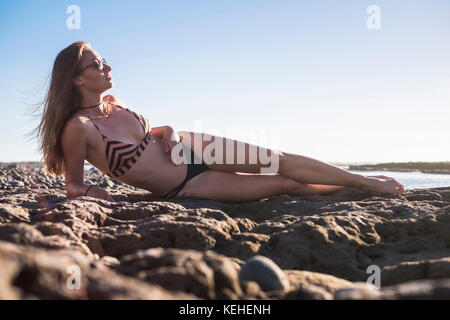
<point x="91" y="78"/>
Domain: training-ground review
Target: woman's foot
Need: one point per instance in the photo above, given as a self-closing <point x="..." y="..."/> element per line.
<point x="383" y="184"/>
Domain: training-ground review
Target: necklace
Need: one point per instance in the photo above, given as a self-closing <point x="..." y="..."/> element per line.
<point x="108" y="113"/>
<point x="91" y="106"/>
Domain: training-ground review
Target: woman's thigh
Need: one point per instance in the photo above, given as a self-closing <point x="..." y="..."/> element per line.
<point x="235" y="187"/>
<point x="223" y="154"/>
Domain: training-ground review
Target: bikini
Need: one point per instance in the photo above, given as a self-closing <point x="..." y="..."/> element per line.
<point x="122" y="156"/>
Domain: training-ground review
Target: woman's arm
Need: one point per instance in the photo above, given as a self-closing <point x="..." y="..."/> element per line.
<point x="159" y="131"/>
<point x="168" y="135"/>
<point x="73" y="142"/>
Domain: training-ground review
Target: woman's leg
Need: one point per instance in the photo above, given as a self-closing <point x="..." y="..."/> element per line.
<point x="235" y="156"/>
<point x="314" y="171"/>
<point x="237" y="187"/>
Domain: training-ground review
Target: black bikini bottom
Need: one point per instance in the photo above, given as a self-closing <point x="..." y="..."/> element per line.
<point x="193" y="169"/>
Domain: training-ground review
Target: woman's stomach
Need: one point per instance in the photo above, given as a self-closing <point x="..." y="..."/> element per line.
<point x="154" y="170"/>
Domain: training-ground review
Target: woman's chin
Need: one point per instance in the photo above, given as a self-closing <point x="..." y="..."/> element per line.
<point x="109" y="81"/>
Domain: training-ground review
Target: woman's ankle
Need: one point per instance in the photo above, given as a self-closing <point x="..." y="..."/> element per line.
<point x="361" y="181"/>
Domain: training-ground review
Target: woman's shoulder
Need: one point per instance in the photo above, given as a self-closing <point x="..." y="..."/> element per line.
<point x="114" y="100"/>
<point x="76" y="123"/>
<point x="78" y="119"/>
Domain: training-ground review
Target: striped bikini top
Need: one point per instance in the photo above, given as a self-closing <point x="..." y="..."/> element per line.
<point x="122" y="156"/>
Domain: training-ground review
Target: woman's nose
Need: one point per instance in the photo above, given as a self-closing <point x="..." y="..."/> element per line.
<point x="107" y="67"/>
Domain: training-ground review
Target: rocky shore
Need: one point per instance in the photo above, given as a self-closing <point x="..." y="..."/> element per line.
<point x="286" y="247"/>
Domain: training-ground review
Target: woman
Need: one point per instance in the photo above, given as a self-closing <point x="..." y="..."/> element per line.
<point x="79" y="124"/>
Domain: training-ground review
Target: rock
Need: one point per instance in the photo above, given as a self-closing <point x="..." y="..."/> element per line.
<point x="416" y="270"/>
<point x="310" y="292"/>
<point x="12" y="213"/>
<point x="423" y="289"/>
<point x="29" y="273"/>
<point x="107" y="182"/>
<point x="302" y="283"/>
<point x="358" y="291"/>
<point x="417" y="290"/>
<point x="265" y="272"/>
<point x="321" y="246"/>
<point x="206" y="275"/>
<point x="253" y="290"/>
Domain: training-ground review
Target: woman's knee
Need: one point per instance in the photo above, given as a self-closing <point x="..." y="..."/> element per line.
<point x="285" y="163"/>
<point x="293" y="187"/>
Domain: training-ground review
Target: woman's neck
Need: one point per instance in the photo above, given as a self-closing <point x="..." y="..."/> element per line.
<point x="93" y="105"/>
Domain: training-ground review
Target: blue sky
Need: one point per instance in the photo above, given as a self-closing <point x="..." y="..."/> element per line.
<point x="306" y="77"/>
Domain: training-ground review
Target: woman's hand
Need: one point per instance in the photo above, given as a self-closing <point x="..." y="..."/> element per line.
<point x="170" y="138"/>
<point x="99" y="193"/>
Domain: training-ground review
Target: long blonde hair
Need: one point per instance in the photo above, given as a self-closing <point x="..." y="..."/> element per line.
<point x="61" y="102"/>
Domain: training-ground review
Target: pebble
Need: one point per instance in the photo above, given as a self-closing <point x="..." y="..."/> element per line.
<point x="265" y="272"/>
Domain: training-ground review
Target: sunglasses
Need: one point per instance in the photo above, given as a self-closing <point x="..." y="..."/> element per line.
<point x="99" y="64"/>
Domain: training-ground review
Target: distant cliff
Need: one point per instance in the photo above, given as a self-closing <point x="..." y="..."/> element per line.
<point x="426" y="167"/>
